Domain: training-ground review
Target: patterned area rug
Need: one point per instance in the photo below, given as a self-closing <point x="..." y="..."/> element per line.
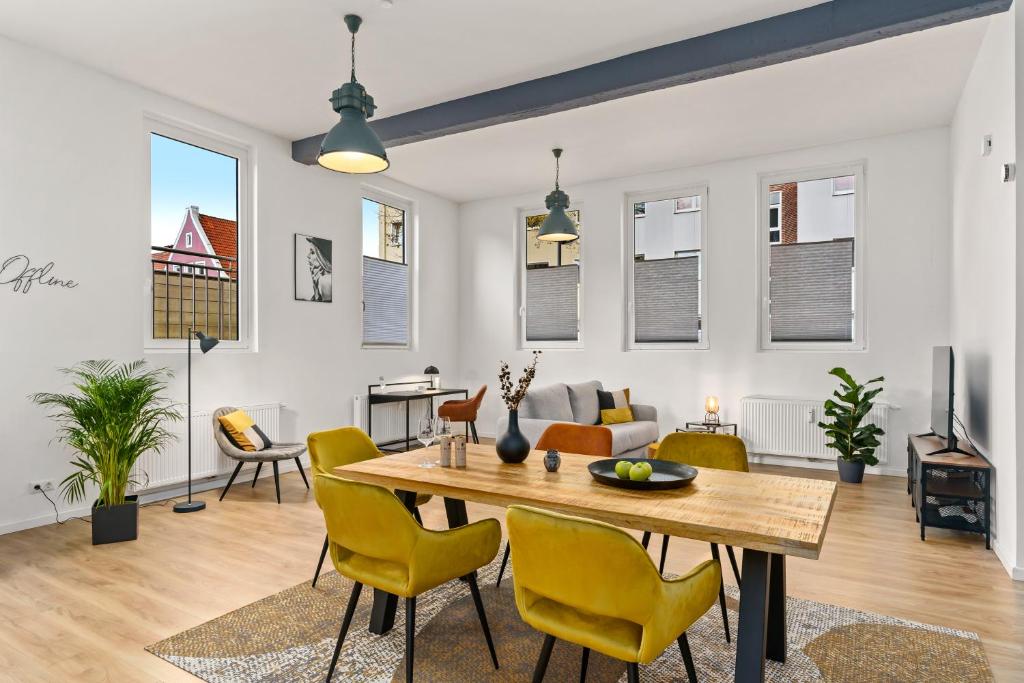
<point x="290" y="637"/>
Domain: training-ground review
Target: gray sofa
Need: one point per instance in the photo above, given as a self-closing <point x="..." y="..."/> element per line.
<point x="544" y="406"/>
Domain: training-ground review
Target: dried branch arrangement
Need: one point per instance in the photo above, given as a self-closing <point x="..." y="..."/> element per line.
<point x="512" y="395"/>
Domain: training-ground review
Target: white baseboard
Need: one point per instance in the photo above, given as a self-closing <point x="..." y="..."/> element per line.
<point x="816" y="464"/>
<point x="150" y="496"/>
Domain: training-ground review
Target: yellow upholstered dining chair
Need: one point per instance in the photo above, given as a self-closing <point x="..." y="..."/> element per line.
<point x="338" y="447"/>
<point x="375" y="541"/>
<point x="715" y="451"/>
<point x="594" y="585"/>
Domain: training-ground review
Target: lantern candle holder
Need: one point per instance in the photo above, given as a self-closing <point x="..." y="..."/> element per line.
<point x="711" y="409"/>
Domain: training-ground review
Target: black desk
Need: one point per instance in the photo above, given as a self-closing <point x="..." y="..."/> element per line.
<point x="406" y="397"/>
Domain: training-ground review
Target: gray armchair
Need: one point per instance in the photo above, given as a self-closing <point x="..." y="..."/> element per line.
<point x="274" y="454"/>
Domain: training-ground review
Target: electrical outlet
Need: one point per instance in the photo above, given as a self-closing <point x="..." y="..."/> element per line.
<point x="47" y="485"/>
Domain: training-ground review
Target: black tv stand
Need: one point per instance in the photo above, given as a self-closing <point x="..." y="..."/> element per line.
<point x="952" y="444"/>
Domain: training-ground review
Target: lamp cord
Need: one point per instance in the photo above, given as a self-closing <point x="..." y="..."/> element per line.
<point x="353" y="57"/>
<point x="556" y="172"/>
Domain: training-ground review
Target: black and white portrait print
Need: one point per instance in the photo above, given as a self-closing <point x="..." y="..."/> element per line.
<point x="312" y="268"/>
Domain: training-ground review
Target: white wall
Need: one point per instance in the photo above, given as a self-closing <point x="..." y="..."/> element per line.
<point x="984" y="267"/>
<point x="73" y="190"/>
<point x="907" y="261"/>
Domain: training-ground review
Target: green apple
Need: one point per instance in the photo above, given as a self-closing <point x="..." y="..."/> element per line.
<point x="622" y="468"/>
<point x="640" y="471"/>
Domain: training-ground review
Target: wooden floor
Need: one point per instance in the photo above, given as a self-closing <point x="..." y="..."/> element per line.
<point x="73" y="612"/>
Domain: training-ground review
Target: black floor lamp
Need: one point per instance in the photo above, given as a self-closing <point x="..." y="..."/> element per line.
<point x="205" y="344"/>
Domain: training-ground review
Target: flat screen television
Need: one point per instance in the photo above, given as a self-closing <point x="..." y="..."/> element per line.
<point x="942" y="398"/>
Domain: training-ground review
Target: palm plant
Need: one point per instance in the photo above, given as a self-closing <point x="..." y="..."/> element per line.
<point x="117" y="414"/>
<point x="854" y="441"/>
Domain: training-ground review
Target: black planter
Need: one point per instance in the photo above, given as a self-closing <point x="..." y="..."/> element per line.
<point x="851" y="472"/>
<point x="115" y="523"/>
<point x="512" y="446"/>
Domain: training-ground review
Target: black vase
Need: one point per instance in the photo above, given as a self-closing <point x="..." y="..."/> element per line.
<point x="115" y="523"/>
<point x="851" y="472"/>
<point x="512" y="446"/>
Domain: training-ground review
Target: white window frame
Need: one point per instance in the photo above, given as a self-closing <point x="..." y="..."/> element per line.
<point x="778" y="206"/>
<point x="411" y="252"/>
<point x="858" y="169"/>
<point x="519" y="254"/>
<point x="842" y="193"/>
<point x="701" y="190"/>
<point x="246" y="156"/>
<point x="188" y="240"/>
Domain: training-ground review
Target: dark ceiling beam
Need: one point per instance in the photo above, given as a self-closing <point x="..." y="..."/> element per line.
<point x="811" y="31"/>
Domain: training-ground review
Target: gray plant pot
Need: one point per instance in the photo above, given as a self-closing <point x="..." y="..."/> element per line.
<point x="851" y="472"/>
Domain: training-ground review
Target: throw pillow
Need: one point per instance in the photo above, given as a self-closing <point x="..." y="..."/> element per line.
<point x="614" y="406"/>
<point x="242" y="431"/>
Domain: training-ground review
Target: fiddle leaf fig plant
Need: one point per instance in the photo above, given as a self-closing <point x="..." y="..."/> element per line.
<point x="852" y="402"/>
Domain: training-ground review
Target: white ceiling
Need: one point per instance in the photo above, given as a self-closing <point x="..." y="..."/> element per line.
<point x="905" y="83"/>
<point x="273" y="63"/>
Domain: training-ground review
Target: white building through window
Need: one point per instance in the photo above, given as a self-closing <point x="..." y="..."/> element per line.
<point x="387" y="277"/>
<point x="666" y="263"/>
<point x="810" y="259"/>
<point x="550" y="292"/>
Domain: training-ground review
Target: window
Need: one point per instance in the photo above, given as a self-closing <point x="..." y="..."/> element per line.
<point x="810" y="278"/>
<point x="687" y="204"/>
<point x="199" y="194"/>
<point x="775" y="216"/>
<point x="842" y="185"/>
<point x="666" y="304"/>
<point x="386" y="276"/>
<point x="550" y="300"/>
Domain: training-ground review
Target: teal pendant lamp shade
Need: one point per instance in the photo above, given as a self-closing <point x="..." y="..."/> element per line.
<point x="557" y="227"/>
<point x="351" y="146"/>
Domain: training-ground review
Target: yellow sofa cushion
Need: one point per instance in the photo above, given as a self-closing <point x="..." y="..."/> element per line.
<point x="243" y="432"/>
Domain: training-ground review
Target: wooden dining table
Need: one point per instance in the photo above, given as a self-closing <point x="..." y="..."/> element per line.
<point x="771" y="517"/>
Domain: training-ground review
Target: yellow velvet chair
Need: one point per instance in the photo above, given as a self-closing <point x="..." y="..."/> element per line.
<point x="335" y="448"/>
<point x="375" y="541"/>
<point x="592" y="584"/>
<point x="715" y="451"/>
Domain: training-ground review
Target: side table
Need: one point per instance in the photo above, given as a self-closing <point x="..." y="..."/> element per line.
<point x="714" y="428"/>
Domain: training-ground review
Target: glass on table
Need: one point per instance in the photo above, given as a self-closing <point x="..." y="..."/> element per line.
<point x="426" y="434"/>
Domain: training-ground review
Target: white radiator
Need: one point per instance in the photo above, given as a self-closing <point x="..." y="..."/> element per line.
<point x="389" y="418"/>
<point x="171" y="467"/>
<point x="773" y="425"/>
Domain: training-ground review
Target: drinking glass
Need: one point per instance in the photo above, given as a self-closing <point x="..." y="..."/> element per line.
<point x="425" y="434"/>
<point x="443" y="426"/>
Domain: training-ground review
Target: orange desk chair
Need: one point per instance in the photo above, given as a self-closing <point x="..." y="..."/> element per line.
<point x="464" y="411"/>
<point x="569" y="437"/>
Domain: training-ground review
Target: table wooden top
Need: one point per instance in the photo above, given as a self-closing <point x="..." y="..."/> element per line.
<point x="777" y="514"/>
<point x="924" y="445"/>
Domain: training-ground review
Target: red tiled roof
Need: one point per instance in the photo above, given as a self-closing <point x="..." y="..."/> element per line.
<point x="223" y="236"/>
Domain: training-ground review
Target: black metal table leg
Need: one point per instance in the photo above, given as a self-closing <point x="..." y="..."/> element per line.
<point x="753" y="626"/>
<point x="382" y="616"/>
<point x="775" y="648"/>
<point x="456" y="511"/>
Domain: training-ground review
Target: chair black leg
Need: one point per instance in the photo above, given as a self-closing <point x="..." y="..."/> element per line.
<point x="632" y="672"/>
<point x="277" y="483"/>
<point x="504" y="561"/>
<point x="353" y="600"/>
<point x="320" y="564"/>
<point x="472" y="427"/>
<point x="302" y="471"/>
<point x="475" y="590"/>
<point x="583" y="665"/>
<point x="410" y="636"/>
<point x="646" y="540"/>
<point x="664" y="554"/>
<point x="735" y="567"/>
<point x="416" y="515"/>
<point x="684" y="650"/>
<point x="231" y="480"/>
<point x="542" y="661"/>
<point x="721" y="594"/>
<point x="259" y="466"/>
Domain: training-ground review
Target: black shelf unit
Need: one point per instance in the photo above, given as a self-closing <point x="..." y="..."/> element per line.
<point x="948" y="490"/>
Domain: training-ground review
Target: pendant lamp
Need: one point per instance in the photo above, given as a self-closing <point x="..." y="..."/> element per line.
<point x="557" y="227"/>
<point x="352" y="146"/>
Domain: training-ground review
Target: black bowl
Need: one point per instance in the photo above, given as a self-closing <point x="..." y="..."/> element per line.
<point x="666" y="474"/>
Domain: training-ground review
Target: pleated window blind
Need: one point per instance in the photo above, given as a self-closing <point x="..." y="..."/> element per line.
<point x="551" y="295"/>
<point x="385" y="275"/>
